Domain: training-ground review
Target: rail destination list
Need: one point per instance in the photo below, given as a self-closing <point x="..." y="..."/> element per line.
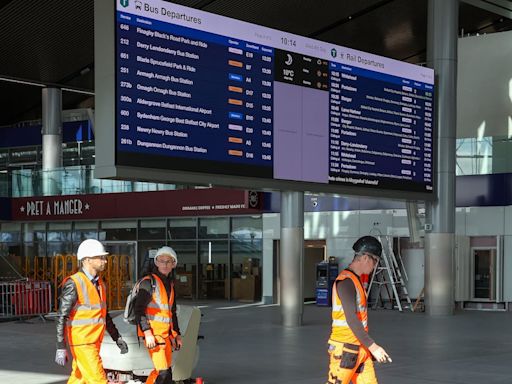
<point x="380" y="129"/>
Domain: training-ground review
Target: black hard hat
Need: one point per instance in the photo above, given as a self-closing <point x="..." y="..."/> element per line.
<point x="368" y="244"/>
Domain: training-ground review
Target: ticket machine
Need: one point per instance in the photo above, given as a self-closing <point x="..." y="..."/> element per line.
<point x="326" y="273"/>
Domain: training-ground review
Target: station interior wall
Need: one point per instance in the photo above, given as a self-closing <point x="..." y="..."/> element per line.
<point x="340" y="230"/>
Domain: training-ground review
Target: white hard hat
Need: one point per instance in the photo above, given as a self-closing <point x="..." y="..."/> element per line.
<point x="165" y="250"/>
<point x="90" y="248"/>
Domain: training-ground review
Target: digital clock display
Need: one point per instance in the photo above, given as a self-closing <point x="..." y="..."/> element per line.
<point x="289" y="42"/>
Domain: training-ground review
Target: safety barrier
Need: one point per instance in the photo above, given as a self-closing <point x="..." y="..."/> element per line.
<point x="117" y="276"/>
<point x="25" y="298"/>
<point x="118" y="279"/>
<point x="38" y="268"/>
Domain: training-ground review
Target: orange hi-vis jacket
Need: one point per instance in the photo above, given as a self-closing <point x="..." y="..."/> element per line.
<point x="341" y="331"/>
<point x="86" y="322"/>
<point x="159" y="310"/>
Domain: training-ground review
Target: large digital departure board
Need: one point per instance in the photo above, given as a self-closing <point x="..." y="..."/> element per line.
<point x="186" y="95"/>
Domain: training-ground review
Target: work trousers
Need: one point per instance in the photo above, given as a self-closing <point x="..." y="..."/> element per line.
<point x="350" y="363"/>
<point x="87" y="367"/>
<point x="161" y="356"/>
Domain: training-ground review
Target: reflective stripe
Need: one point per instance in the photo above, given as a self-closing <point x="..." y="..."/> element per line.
<point x="158" y="306"/>
<point x="343" y="323"/>
<point x="94" y="321"/>
<point x="85" y="292"/>
<point x="161" y="319"/>
<point x="83" y="288"/>
<point x="86" y="323"/>
<point x="159" y="309"/>
<point x="340" y="329"/>
<point x="78" y="307"/>
<point x="340" y="323"/>
<point x="158" y="302"/>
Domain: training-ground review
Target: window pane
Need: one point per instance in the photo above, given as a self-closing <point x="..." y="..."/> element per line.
<point x="214" y="258"/>
<point x="81" y="235"/>
<point x="143" y="252"/>
<point x="182" y="228"/>
<point x="118" y="234"/>
<point x="152" y="230"/>
<point x="59" y="247"/>
<point x="213" y="228"/>
<point x="246" y="253"/>
<point x="186" y="269"/>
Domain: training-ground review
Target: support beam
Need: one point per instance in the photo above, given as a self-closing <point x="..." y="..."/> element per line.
<point x="442" y="41"/>
<point x="52" y="139"/>
<point x="292" y="258"/>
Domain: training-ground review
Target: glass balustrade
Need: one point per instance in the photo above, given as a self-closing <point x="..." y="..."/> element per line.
<point x="76" y="180"/>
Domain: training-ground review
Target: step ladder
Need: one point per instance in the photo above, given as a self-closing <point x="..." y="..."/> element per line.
<point x="388" y="276"/>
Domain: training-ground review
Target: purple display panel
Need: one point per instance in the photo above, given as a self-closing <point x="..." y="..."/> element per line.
<point x="315" y="135"/>
<point x="287" y="132"/>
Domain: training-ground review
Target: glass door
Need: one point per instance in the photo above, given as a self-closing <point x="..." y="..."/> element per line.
<point x="484" y="273"/>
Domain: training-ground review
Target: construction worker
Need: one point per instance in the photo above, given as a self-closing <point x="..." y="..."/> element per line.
<point x="350" y="346"/>
<point x="155" y="315"/>
<point x="83" y="317"/>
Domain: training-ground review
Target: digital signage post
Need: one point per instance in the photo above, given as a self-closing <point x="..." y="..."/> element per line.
<point x="197" y="97"/>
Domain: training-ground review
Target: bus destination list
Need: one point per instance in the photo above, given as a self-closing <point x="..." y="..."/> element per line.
<point x="184" y="93"/>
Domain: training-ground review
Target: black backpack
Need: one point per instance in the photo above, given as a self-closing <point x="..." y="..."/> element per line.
<point x="129" y="308"/>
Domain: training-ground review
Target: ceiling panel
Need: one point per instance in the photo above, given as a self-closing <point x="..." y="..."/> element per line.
<point x="397" y="30"/>
<point x="48" y="43"/>
<point x="302" y="17"/>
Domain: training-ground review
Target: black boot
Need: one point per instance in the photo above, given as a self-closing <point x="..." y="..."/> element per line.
<point x="164" y="377"/>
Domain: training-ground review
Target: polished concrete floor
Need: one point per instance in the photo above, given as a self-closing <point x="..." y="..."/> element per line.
<point x="247" y="344"/>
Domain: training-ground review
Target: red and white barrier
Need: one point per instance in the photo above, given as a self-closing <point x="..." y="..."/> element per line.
<point x="25" y="298"/>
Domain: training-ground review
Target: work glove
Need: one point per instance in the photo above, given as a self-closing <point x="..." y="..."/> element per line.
<point x="176" y="343"/>
<point x="122" y="346"/>
<point x="61" y="356"/>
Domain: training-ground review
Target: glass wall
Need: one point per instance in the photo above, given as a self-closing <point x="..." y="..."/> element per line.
<point x="474" y="156"/>
<point x="214" y="228"/>
<point x="59" y="239"/>
<point x="213" y="267"/>
<point x="186" y="270"/>
<point x="218" y="257"/>
<point x="151" y="236"/>
<point x="10" y="250"/>
<point x="246" y="253"/>
<point x="84" y="230"/>
<point x="34" y="240"/>
<point x="185" y="228"/>
<point x="118" y="230"/>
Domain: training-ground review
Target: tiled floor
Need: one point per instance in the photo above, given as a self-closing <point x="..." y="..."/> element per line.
<point x="248" y="345"/>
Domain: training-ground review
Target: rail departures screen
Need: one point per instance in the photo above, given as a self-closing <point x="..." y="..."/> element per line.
<point x="197" y="97"/>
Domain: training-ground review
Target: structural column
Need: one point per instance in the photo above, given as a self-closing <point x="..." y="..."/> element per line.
<point x="443" y="18"/>
<point x="292" y="258"/>
<point x="52" y="140"/>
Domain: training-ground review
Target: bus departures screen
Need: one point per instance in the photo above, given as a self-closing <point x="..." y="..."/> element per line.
<point x="198" y="92"/>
